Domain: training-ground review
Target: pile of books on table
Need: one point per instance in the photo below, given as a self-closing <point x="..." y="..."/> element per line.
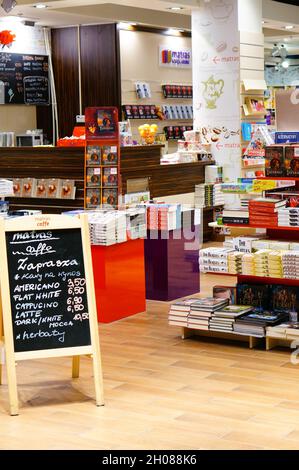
<point x="195" y="313"/>
<point x="234" y="261"/>
<point x="288" y="217"/>
<point x="290" y="264"/>
<point x="214" y="259"/>
<point x="179" y="312"/>
<point x="263" y="212"/>
<point x="223" y="320"/>
<point x="284" y="331"/>
<point x="136" y="222"/>
<point x="202" y="310"/>
<point x="107" y="228"/>
<point x="163" y="216"/>
<point x="208" y="195"/>
<point x="255" y="322"/>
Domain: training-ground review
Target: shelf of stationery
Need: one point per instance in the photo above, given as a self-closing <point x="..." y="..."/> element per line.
<point x="232" y="336"/>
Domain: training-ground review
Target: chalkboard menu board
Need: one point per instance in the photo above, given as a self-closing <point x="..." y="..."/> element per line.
<point x="48" y="292"/>
<point x="24" y="79"/>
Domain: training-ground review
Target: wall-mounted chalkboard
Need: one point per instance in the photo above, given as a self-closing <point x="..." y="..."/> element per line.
<point x="47" y="290"/>
<point x="48" y="305"/>
<point x="24" y="79"/>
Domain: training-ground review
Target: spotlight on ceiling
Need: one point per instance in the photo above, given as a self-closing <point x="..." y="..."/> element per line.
<point x="8" y="5"/>
<point x="279" y="51"/>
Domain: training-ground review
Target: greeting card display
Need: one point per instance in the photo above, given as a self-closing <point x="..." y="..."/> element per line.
<point x="102" y="158"/>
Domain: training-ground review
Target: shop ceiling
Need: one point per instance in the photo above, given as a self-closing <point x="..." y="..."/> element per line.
<point x="158" y="13"/>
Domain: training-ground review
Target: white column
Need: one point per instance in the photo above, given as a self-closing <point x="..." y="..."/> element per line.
<point x="216" y="28"/>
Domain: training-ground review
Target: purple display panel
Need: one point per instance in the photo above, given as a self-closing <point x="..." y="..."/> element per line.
<point x="171" y="264"/>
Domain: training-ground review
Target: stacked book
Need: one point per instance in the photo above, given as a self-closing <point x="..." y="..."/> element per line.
<point x="238" y="216"/>
<point x="107" y="227"/>
<point x="284" y="331"/>
<point x="224" y="319"/>
<point x="248" y="267"/>
<point x="234" y="261"/>
<point x="290" y="264"/>
<point x="208" y="195"/>
<point x="255" y="323"/>
<point x="288" y="217"/>
<point x="163" y="216"/>
<point x="179" y="312"/>
<point x="261" y="263"/>
<point x="136" y="223"/>
<point x="214" y="259"/>
<point x="275" y="268"/>
<point x="202" y="310"/>
<point x="263" y="212"/>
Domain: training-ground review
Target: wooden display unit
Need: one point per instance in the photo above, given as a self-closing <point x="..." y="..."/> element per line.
<point x="251" y="340"/>
<point x="102" y="158"/>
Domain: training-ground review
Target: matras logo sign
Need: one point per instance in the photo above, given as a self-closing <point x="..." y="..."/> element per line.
<point x="169" y="57"/>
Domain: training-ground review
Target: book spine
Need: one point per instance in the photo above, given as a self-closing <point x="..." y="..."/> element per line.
<point x="236" y="220"/>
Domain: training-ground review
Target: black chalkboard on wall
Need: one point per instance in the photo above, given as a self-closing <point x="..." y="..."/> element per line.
<point x="24" y="79"/>
<point x="47" y="290"/>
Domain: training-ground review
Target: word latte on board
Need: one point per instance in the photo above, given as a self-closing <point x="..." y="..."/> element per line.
<point x="48" y="290"/>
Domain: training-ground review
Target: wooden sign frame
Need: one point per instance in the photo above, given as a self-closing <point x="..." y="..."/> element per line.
<point x="41" y="223"/>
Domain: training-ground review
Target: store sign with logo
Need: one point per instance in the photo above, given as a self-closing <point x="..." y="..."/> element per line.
<point x="175" y="57"/>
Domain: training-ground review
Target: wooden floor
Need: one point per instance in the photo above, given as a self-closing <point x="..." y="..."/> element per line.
<point x="161" y="393"/>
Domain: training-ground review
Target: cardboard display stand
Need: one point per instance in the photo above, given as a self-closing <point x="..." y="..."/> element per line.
<point x="47" y="295"/>
<point x="102" y="158"/>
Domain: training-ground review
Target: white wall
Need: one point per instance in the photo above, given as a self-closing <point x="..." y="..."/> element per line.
<point x="139" y="53"/>
<point x="250" y="15"/>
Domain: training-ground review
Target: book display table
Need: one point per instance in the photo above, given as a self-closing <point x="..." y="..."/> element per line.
<point x="119" y="280"/>
<point x="171" y="263"/>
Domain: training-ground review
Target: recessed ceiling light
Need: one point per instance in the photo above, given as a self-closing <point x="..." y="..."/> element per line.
<point x="289" y="26"/>
<point x="174" y="32"/>
<point x="123" y="25"/>
<point x="40" y="6"/>
<point x="175" y="8"/>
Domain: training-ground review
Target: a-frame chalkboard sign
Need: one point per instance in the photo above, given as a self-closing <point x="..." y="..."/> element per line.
<point x="47" y="295"/>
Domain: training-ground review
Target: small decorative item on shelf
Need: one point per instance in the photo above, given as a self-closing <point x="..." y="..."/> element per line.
<point x="176" y="132"/>
<point x="147" y="133"/>
<point x="177" y="91"/>
<point x="147" y="111"/>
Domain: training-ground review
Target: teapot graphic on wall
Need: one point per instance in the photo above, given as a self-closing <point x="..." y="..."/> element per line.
<point x="212" y="91"/>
